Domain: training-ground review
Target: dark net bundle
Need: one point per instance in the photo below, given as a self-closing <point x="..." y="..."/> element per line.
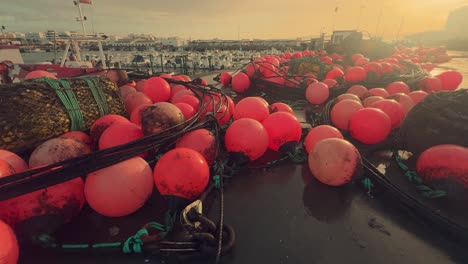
<point x="32" y="112"/>
<point x="441" y="118"/>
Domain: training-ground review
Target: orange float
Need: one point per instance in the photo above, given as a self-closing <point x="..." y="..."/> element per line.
<point x="397" y="87"/>
<point x="251" y="107"/>
<point x="248" y="137"/>
<point x="450" y="80"/>
<point x="201" y="140"/>
<point x="417" y="96"/>
<point x="39" y="74"/>
<point x="181" y="172"/>
<point x="119" y="134"/>
<point x="348" y="96"/>
<point x="9" y="250"/>
<point x="186" y="110"/>
<point x="379" y="92"/>
<point x="284" y="131"/>
<point x="370" y="125"/>
<point x="318" y="134"/>
<point x="225" y="78"/>
<point x="15" y="161"/>
<point x="342" y="111"/>
<point x="134" y="100"/>
<point x="126" y="90"/>
<point x="404" y="100"/>
<point x="281" y="107"/>
<point x="187" y="99"/>
<point x="359" y="90"/>
<point x="135" y="116"/>
<point x="393" y="109"/>
<point x="157" y="89"/>
<point x="120" y="189"/>
<point x="241" y="82"/>
<point x="317" y="93"/>
<point x="370" y="100"/>
<point x="355" y="74"/>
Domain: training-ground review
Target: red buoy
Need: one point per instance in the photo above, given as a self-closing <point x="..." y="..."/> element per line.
<point x="374" y="68"/>
<point x="135" y="116"/>
<point x="140" y="85"/>
<point x="282" y="128"/>
<point x="119" y="134"/>
<point x="251" y="107"/>
<point x="134" y="100"/>
<point x="120" y="189"/>
<point x="225" y="78"/>
<point x="251" y="69"/>
<point x="404" y="100"/>
<point x="334" y="74"/>
<point x="15" y="161"/>
<point x="177" y="88"/>
<point x="378" y="92"/>
<point x="331" y="83"/>
<point x="348" y="96"/>
<point x="281" y="107"/>
<point x="397" y="87"/>
<point x="157" y="89"/>
<point x="355" y="74"/>
<point x="102" y="124"/>
<point x="393" y="109"/>
<point x="9" y="250"/>
<point x="39" y="74"/>
<point x="370" y="100"/>
<point x="335" y="161"/>
<point x="318" y="134"/>
<point x="361" y="62"/>
<point x="357" y="56"/>
<point x="444" y="162"/>
<point x="201" y="140"/>
<point x="359" y="90"/>
<point x="450" y="80"/>
<point x="342" y="111"/>
<point x="6" y="169"/>
<point x="186" y="110"/>
<point x="370" y="125"/>
<point x="188" y="99"/>
<point x="248" y="137"/>
<point x="240" y="82"/>
<point x="417" y="96"/>
<point x="317" y="93"/>
<point x="181" y="93"/>
<point x="126" y="90"/>
<point x="430" y="84"/>
<point x="181" y="172"/>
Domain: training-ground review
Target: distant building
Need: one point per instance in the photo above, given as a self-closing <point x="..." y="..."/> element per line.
<point x="34" y="37"/>
<point x="174" y="42"/>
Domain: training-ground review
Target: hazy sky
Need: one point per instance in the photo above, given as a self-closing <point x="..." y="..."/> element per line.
<point x="228" y="18"/>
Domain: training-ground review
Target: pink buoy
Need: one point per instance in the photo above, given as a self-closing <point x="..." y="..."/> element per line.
<point x="39" y="74"/>
<point x="379" y="92"/>
<point x="342" y="111"/>
<point x="359" y="90"/>
<point x="225" y="78"/>
<point x="317" y="93"/>
<point x="330" y="82"/>
<point x="397" y="87"/>
<point x="157" y="89"/>
<point x="318" y="134"/>
<point x="281" y="107"/>
<point x="417" y="96"/>
<point x="430" y="84"/>
<point x="186" y="110"/>
<point x="240" y="82"/>
<point x="450" y="80"/>
<point x="370" y="100"/>
<point x="349" y="96"/>
<point x="251" y="107"/>
<point x="404" y="100"/>
<point x="370" y="125"/>
<point x="355" y="74"/>
<point x="393" y="109"/>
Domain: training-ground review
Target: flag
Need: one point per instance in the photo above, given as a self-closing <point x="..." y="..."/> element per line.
<point x="87" y="2"/>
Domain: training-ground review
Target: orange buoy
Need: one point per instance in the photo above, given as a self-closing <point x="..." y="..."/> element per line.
<point x="430" y="84"/>
<point x="450" y="80"/>
<point x="442" y="163"/>
<point x="327" y="59"/>
<point x="318" y="134"/>
<point x="102" y="124"/>
<point x="359" y="90"/>
<point x="240" y="82"/>
<point x="15" y="161"/>
<point x="370" y="100"/>
<point x="267" y="69"/>
<point x="370" y="125"/>
<point x="284" y="131"/>
<point x="140" y="85"/>
<point x="6" y="169"/>
<point x="180" y="94"/>
<point x="355" y="74"/>
<point x="281" y="107"/>
<point x="201" y="140"/>
<point x="9" y="250"/>
<point x="348" y="96"/>
<point x="39" y="74"/>
<point x="119" y="134"/>
<point x="120" y="189"/>
<point x="317" y="93"/>
<point x="57" y="149"/>
<point x="251" y="69"/>
<point x="186" y="109"/>
<point x="342" y="111"/>
<point x="361" y="61"/>
<point x="335" y="162"/>
<point x="134" y="100"/>
<point x="160" y="116"/>
<point x="397" y="87"/>
<point x="135" y="116"/>
<point x="379" y="92"/>
<point x="404" y="100"/>
<point x="393" y="109"/>
<point x="166" y="76"/>
<point x="417" y="96"/>
<point x="177" y="88"/>
<point x="357" y="56"/>
<point x="126" y="90"/>
<point x="188" y="99"/>
<point x="157" y="89"/>
<point x="251" y="107"/>
<point x="387" y="67"/>
<point x="225" y="78"/>
<point x="373" y="68"/>
<point x="329" y="82"/>
<point x="247" y="136"/>
<point x="297" y="55"/>
<point x="181" y="172"/>
<point x="274" y="61"/>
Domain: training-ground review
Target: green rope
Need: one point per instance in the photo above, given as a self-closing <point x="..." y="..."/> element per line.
<point x="134" y="244"/>
<point x="65" y="94"/>
<point x="368" y="185"/>
<point x="412" y="176"/>
<point x="298" y="156"/>
<point x="98" y="94"/>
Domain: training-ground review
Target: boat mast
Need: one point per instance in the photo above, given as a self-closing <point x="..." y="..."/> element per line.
<point x="81" y="18"/>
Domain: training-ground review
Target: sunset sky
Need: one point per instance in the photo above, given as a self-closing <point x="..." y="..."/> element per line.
<point x="229" y="18"/>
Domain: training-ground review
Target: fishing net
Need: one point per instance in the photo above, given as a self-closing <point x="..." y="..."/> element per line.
<point x="37" y="110"/>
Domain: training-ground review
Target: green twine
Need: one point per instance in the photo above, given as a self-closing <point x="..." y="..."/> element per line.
<point x="368" y="185"/>
<point x="98" y="94"/>
<point x="134" y="244"/>
<point x="216" y="180"/>
<point x="67" y="97"/>
<point x="298" y="156"/>
<point x="412" y="176"/>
